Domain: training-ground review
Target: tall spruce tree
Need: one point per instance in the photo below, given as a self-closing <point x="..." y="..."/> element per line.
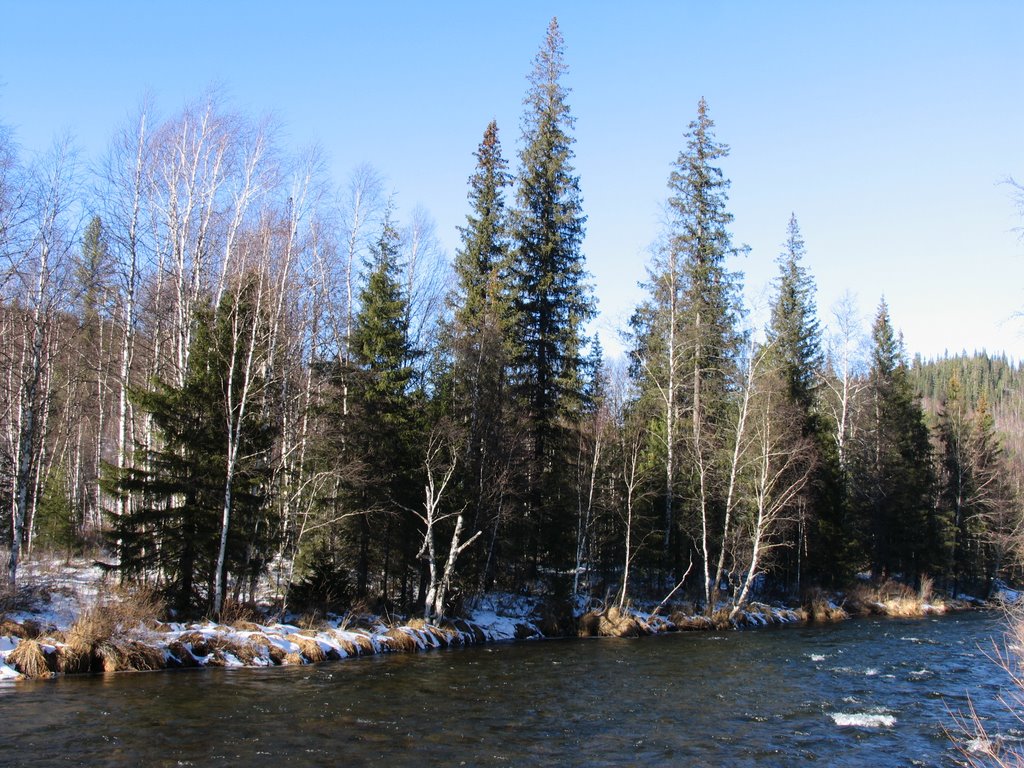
<point x="894" y="478"/>
<point x="382" y="436"/>
<point x="478" y="338"/>
<point x="793" y="334"/>
<point x="710" y="339"/>
<point x="552" y="302"/>
<point x="794" y="347"/>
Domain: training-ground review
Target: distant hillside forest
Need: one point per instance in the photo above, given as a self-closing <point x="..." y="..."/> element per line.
<point x="232" y="376"/>
<point x="992" y="384"/>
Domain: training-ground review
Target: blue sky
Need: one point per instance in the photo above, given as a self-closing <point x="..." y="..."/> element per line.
<point x="886" y="127"/>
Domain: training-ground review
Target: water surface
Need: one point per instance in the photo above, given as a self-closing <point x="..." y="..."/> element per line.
<point x="871" y="692"/>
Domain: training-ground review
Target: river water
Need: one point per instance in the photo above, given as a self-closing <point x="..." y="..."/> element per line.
<point x="861" y="693"/>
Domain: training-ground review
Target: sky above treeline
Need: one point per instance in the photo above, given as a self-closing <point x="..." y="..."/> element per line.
<point x="888" y="128"/>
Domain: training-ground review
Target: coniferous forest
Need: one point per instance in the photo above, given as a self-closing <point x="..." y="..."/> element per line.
<point x="224" y="379"/>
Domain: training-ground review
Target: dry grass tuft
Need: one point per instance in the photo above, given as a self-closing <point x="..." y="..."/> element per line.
<point x="248" y="626"/>
<point x="73" y="659"/>
<point x="11" y="628"/>
<point x="891" y="598"/>
<point x="720" y="619"/>
<point x="30" y="659"/>
<point x="181" y="653"/>
<point x="275" y="652"/>
<point x="401" y="641"/>
<point x="361" y="642"/>
<point x="237" y="613"/>
<point x="114" y="617"/>
<point x="611" y="623"/>
<point x="821" y="610"/>
<point x="310" y="648"/>
<point x="293" y="658"/>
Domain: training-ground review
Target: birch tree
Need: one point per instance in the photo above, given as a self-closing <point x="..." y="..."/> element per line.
<point x="39" y="270"/>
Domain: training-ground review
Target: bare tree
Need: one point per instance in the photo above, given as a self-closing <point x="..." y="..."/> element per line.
<point x="38" y="280"/>
<point x="439" y="465"/>
<point x="780" y="465"/>
<point x="846" y="354"/>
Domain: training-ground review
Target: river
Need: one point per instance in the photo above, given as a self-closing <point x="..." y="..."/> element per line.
<point x="867" y="692"/>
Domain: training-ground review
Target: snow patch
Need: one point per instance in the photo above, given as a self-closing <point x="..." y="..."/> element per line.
<point x="8" y="673"/>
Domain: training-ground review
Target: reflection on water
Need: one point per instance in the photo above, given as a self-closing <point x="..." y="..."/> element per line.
<point x="861" y="693"/>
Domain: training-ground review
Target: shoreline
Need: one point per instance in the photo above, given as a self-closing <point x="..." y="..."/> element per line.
<point x="31" y="651"/>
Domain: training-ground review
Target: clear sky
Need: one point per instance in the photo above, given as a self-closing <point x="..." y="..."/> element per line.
<point x="886" y="127"/>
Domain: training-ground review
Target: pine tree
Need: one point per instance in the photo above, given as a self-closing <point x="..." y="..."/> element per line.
<point x="552" y="301"/>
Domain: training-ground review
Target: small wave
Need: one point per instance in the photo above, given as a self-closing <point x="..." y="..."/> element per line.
<point x="870" y="672"/>
<point x="862" y="720"/>
<point x="818" y="657"/>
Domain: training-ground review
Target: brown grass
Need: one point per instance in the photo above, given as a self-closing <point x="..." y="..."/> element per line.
<point x="11" y="628"/>
<point x="401" y="641"/>
<point x="691" y="623"/>
<point x="30" y="659"/>
<point x="310" y="648"/>
<point x="293" y="658"/>
<point x="275" y="652"/>
<point x="821" y="610"/>
<point x="73" y="658"/>
<point x="889" y="598"/>
<point x="611" y="623"/>
<point x="236" y="614"/>
<point x="720" y="619"/>
<point x="113" y="617"/>
<point x="182" y="654"/>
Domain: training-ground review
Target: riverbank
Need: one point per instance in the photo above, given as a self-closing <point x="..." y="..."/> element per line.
<point x="77" y="624"/>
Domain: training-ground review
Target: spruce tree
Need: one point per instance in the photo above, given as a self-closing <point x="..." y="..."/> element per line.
<point x="173" y="528"/>
<point x="894" y="479"/>
<point x="552" y="302"/>
<point x="793" y="334"/>
<point x="383" y="426"/>
<point x="478" y="341"/>
<point x="710" y="312"/>
<point x="794" y="348"/>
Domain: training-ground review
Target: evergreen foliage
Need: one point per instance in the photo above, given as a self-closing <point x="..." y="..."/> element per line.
<point x="551" y="301"/>
<point x="384" y="421"/>
<point x="309" y="402"/>
<point x="172" y="532"/>
<point x="900" y="529"/>
<point x="479" y="346"/>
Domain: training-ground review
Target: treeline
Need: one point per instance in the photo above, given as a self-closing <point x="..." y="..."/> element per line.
<point x="231" y="375"/>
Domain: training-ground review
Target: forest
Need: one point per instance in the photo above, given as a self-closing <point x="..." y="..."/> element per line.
<point x="217" y="373"/>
